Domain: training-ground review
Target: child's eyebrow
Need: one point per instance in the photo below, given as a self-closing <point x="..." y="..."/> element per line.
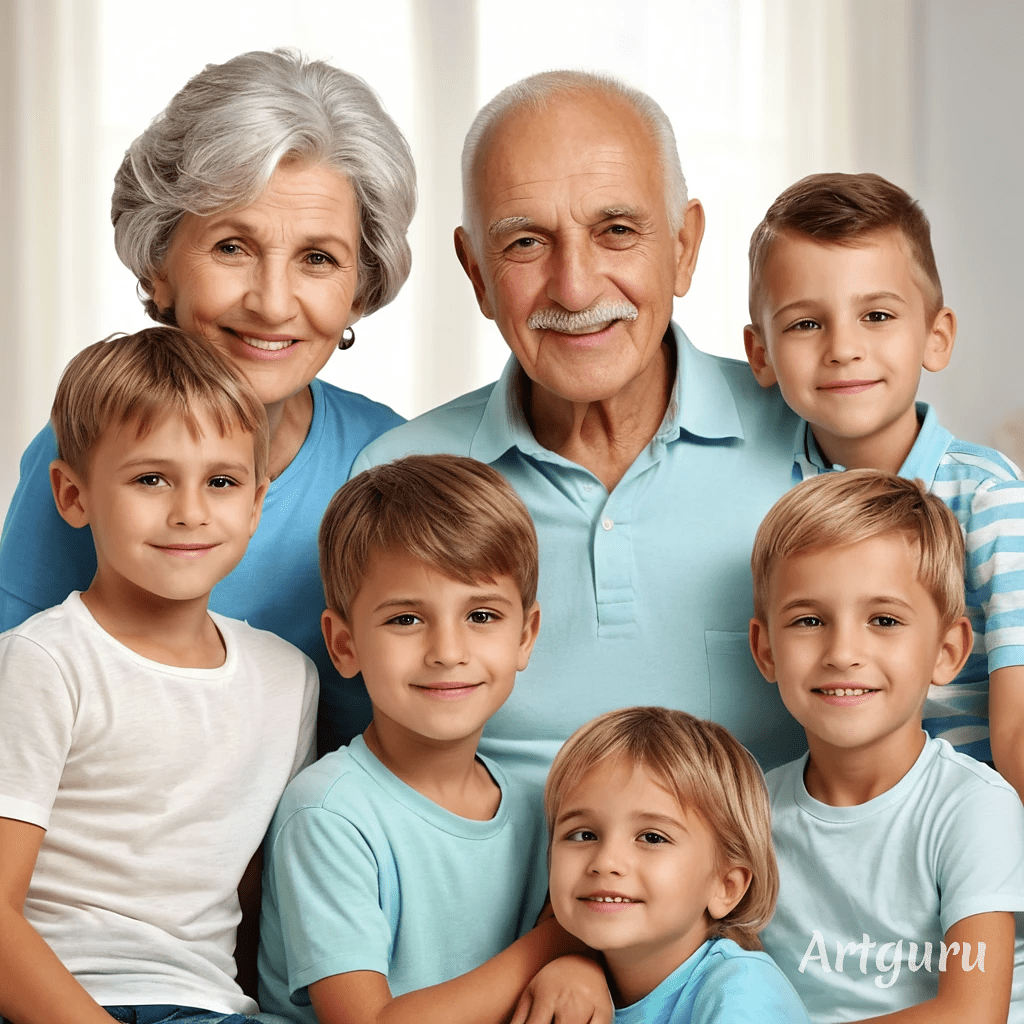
<point x="156" y="462"/>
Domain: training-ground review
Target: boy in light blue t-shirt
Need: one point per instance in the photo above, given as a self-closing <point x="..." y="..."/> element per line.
<point x="404" y="873"/>
<point x="901" y="861"/>
<point x="846" y="308"/>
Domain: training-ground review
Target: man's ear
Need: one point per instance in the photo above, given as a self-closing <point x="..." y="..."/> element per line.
<point x="939" y="349"/>
<point x="760" y="648"/>
<point x="68" y="494"/>
<point x="954" y="651"/>
<point x="731" y="889"/>
<point x="340" y="645"/>
<point x="531" y="626"/>
<point x="757" y="356"/>
<point x="688" y="240"/>
<point x="464" y="250"/>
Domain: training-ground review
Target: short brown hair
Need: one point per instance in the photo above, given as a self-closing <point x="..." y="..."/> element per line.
<point x="144" y="377"/>
<point x="709" y="772"/>
<point x="842" y="209"/>
<point x="840" y="508"/>
<point x="455" y="514"/>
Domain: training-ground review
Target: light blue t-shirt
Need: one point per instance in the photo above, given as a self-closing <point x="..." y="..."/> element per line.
<point x="720" y="983"/>
<point x="275" y="587"/>
<point x="985" y="491"/>
<point x="645" y="592"/>
<point x="363" y="873"/>
<point x="885" y="880"/>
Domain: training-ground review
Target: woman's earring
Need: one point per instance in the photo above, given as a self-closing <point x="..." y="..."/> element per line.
<point x="349" y="341"/>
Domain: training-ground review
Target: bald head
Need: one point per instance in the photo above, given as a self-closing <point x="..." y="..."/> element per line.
<point x="536" y="93"/>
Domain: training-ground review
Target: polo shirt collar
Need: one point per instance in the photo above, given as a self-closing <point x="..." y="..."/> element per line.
<point x="701" y="405"/>
<point x="922" y="462"/>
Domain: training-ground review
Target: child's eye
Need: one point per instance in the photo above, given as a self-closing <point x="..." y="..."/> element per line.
<point x="405" y="619"/>
<point x="581" y="835"/>
<point x="878" y="316"/>
<point x="807" y="324"/>
<point x="652" y="838"/>
<point x="222" y="482"/>
<point x="888" y="621"/>
<point x="481" y="617"/>
<point x="150" y="480"/>
<point x="808" y="621"/>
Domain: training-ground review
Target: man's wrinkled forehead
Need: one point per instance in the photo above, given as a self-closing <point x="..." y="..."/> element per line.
<point x="543" y="143"/>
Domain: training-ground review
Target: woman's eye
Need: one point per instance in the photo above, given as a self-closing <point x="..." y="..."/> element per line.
<point x="319" y="259"/>
<point x="229" y="248"/>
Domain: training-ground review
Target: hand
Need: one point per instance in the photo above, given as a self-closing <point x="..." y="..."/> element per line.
<point x="569" y="990"/>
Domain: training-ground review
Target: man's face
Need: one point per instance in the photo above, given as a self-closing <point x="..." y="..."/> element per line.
<point x="574" y="255"/>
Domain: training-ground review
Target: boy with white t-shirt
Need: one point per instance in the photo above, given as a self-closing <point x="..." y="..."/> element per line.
<point x="144" y="741"/>
<point x="901" y="861"/>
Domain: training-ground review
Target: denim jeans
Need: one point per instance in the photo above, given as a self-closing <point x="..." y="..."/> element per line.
<point x="184" y="1015"/>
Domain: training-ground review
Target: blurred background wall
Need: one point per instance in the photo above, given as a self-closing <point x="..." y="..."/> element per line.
<point x="761" y="92"/>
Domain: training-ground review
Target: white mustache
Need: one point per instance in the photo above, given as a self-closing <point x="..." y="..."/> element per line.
<point x="568" y="322"/>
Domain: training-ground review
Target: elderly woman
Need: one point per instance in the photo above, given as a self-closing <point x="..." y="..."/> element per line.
<point x="265" y="210"/>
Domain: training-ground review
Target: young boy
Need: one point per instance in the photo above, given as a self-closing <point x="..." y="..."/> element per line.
<point x="895" y="852"/>
<point x="144" y="741"/>
<point x="402" y="870"/>
<point x="846" y="308"/>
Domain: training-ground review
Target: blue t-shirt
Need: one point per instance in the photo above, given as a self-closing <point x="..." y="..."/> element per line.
<point x="720" y="983"/>
<point x="275" y="587"/>
<point x="645" y="591"/>
<point x="363" y="873"/>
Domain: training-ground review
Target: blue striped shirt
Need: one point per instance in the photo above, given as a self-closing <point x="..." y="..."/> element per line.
<point x="985" y="491"/>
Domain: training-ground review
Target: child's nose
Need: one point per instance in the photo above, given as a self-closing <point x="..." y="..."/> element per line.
<point x="447" y="645"/>
<point x="190" y="507"/>
<point x="844" y="345"/>
<point x="843" y="650"/>
<point x="607" y="859"/>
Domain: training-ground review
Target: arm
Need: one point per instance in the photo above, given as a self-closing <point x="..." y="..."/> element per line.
<point x="35" y="987"/>
<point x="980" y="997"/>
<point x="1006" y="723"/>
<point x="247" y="940"/>
<point x="487" y="995"/>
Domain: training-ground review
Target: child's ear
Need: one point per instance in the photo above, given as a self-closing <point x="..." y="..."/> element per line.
<point x="939" y="349"/>
<point x="340" y="644"/>
<point x="757" y="356"/>
<point x="531" y="627"/>
<point x="956" y="646"/>
<point x="257" y="506"/>
<point x="760" y="648"/>
<point x="68" y="493"/>
<point x="731" y="889"/>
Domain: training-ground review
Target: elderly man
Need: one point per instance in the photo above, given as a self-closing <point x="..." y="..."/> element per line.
<point x="646" y="464"/>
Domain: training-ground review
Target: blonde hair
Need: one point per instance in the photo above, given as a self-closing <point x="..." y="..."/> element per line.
<point x="144" y="377"/>
<point x="843" y="508"/>
<point x="709" y="772"/>
<point x="455" y="514"/>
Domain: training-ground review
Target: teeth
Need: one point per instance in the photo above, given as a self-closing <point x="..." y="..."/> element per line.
<point x="611" y="899"/>
<point x="267" y="346"/>
<point x="845" y="693"/>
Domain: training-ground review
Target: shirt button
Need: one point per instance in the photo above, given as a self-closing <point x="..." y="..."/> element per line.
<point x="607" y="523"/>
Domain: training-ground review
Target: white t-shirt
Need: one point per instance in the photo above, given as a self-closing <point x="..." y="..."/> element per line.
<point x="886" y="879"/>
<point x="155" y="785"/>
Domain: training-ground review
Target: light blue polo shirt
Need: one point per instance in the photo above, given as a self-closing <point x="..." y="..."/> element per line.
<point x="645" y="592"/>
<point x="984" y="490"/>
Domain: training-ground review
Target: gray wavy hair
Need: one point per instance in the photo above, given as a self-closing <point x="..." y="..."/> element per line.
<point x="222" y="136"/>
<point x="535" y="92"/>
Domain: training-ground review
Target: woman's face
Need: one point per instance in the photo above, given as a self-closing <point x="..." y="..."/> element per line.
<point x="270" y="284"/>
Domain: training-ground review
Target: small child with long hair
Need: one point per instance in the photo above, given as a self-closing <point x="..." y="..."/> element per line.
<point x="661" y="859"/>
